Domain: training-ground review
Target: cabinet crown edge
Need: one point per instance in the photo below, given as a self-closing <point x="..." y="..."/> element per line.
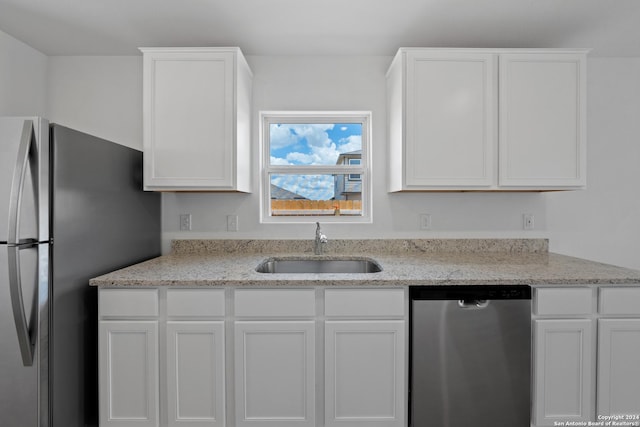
<point x="402" y="51"/>
<point x="216" y="49"/>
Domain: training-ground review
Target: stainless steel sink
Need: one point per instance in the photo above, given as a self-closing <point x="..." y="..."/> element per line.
<point x="318" y="266"/>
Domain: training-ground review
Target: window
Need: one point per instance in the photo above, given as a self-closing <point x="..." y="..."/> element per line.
<point x="354" y="176"/>
<point x="315" y="166"/>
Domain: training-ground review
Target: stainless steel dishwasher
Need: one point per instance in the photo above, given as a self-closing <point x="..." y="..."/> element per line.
<point x="470" y="356"/>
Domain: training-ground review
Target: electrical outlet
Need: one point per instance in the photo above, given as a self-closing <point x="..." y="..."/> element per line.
<point x="232" y="222"/>
<point x="528" y="222"/>
<point x="425" y="221"/>
<point x="185" y="222"/>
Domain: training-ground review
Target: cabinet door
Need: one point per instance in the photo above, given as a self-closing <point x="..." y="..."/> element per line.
<point x="275" y="373"/>
<point x="563" y="371"/>
<point x="542" y="120"/>
<point x="450" y="119"/>
<point x="188" y="119"/>
<point x="195" y="374"/>
<point x="364" y="373"/>
<point x="619" y="367"/>
<point x="128" y="370"/>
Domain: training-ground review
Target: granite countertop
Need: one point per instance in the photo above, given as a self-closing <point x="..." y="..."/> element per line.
<point x="403" y="262"/>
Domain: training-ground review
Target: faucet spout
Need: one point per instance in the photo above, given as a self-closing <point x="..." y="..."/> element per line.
<point x="320" y="240"/>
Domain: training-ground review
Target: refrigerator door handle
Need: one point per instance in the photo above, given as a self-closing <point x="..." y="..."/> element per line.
<point x="26" y="338"/>
<point x="27" y="147"/>
<point x="26" y="154"/>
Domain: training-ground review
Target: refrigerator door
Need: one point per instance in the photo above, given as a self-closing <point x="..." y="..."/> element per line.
<point x="24" y="167"/>
<point x="23" y="401"/>
<point x="102" y="221"/>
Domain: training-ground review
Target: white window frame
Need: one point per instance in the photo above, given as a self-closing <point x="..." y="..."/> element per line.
<point x="364" y="169"/>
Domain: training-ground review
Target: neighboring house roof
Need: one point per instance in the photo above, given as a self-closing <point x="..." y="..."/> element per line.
<point x="352" y="154"/>
<point x="281" y="193"/>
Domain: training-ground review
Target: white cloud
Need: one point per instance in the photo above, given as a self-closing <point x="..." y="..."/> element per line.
<point x="343" y="128"/>
<point x="317" y="156"/>
<point x="326" y="155"/>
<point x="351" y="143"/>
<point x="316" y="134"/>
<point x="300" y="158"/>
<point x="281" y="136"/>
<point x="322" y="150"/>
<point x="278" y="161"/>
<point x="313" y="187"/>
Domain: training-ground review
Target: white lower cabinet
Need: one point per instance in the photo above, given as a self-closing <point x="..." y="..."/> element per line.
<point x="275" y="373"/>
<point x="563" y="375"/>
<point x="195" y="373"/>
<point x="619" y="367"/>
<point x="583" y="372"/>
<point x="128" y="365"/>
<point x="364" y="351"/>
<point x="364" y="373"/>
<point x="175" y="357"/>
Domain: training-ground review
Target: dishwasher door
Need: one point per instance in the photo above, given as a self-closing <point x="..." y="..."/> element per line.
<point x="470" y="350"/>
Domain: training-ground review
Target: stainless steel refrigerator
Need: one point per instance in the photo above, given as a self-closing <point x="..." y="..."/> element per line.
<point x="71" y="208"/>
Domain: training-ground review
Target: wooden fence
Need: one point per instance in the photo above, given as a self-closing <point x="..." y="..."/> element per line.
<point x="316" y="207"/>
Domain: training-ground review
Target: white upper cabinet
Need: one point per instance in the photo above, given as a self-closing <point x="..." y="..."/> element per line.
<point x="542" y="120"/>
<point x="197" y="110"/>
<point x="442" y="119"/>
<point x="486" y="119"/>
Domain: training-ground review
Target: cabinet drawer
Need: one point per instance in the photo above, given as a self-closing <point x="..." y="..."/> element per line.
<point x="559" y="301"/>
<point x="364" y="302"/>
<point x="128" y="302"/>
<point x="275" y="303"/>
<point x="195" y="302"/>
<point x="620" y="301"/>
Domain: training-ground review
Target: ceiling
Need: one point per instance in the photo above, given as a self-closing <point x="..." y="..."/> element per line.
<point x="321" y="27"/>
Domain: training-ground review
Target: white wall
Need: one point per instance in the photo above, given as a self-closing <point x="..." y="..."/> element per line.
<point x="102" y="95"/>
<point x="347" y="83"/>
<point x="23" y="72"/>
<point x="99" y="95"/>
<point x="603" y="222"/>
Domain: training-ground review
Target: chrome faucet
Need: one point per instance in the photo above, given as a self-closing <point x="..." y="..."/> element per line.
<point x="321" y="240"/>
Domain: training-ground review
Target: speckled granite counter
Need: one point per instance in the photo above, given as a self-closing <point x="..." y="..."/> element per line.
<point x="404" y="262"/>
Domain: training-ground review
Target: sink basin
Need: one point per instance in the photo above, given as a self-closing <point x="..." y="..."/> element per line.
<point x="318" y="266"/>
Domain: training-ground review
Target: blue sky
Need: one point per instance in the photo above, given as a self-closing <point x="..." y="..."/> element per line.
<point x="311" y="144"/>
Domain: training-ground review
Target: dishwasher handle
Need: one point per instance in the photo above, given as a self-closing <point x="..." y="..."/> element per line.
<point x="476" y="304"/>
